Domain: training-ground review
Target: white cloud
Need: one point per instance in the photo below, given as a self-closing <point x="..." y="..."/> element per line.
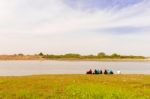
<point x="52" y="26"/>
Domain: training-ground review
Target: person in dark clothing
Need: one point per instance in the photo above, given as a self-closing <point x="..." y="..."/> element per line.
<point x="111" y="72"/>
<point x="89" y="72"/>
<point x="96" y="71"/>
<point x="100" y="71"/>
<point x="105" y="71"/>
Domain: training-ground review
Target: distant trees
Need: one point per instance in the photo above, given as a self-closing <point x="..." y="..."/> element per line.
<point x="20" y="54"/>
<point x="71" y="55"/>
<point x="115" y="55"/>
<point x="41" y="54"/>
<point x="100" y="55"/>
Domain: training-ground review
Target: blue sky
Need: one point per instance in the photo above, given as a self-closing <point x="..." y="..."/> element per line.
<point x="101" y="4"/>
<point x="77" y="26"/>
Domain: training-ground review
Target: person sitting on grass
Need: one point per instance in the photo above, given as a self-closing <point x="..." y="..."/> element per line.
<point x="109" y="71"/>
<point x="97" y="71"/>
<point x="105" y="71"/>
<point x="89" y="72"/>
<point x="100" y="71"/>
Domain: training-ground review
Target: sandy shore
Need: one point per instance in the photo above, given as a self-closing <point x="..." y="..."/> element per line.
<point x="24" y="57"/>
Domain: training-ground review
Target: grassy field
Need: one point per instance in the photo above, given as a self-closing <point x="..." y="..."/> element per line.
<point x="76" y="87"/>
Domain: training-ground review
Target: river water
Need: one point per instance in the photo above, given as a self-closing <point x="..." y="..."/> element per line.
<point x="19" y="68"/>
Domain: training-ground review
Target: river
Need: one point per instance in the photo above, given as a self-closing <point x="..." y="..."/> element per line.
<point x="20" y="68"/>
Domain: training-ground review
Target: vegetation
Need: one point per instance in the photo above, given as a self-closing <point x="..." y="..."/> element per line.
<point x="100" y="55"/>
<point x="76" y="87"/>
<point x="42" y="56"/>
<point x="20" y="57"/>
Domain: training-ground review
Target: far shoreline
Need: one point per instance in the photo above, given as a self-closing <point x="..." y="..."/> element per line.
<point x="102" y="57"/>
<point x="101" y="60"/>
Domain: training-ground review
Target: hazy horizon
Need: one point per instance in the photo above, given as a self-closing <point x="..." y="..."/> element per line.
<point x="75" y="26"/>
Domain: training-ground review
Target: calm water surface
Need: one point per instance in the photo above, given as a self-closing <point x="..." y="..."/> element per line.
<point x="18" y="68"/>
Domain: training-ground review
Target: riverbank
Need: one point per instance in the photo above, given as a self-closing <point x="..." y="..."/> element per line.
<point x="76" y="86"/>
<point x="37" y="57"/>
<point x="105" y="60"/>
<point x="20" y="57"/>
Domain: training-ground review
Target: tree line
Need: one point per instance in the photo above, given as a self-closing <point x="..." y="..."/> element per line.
<point x="100" y="55"/>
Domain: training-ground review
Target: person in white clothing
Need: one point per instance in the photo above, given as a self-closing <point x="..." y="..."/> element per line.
<point x="118" y="72"/>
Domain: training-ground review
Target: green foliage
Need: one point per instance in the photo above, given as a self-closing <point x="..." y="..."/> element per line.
<point x="41" y="54"/>
<point x="100" y="55"/>
<point x="71" y="55"/>
<point x="115" y="55"/>
<point x="20" y="54"/>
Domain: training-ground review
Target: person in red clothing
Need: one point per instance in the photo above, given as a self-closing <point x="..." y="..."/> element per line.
<point x="89" y="72"/>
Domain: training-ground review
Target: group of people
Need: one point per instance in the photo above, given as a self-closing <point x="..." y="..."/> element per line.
<point x="99" y="71"/>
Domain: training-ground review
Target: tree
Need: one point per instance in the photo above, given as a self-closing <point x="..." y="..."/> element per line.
<point x="20" y="54"/>
<point x="41" y="54"/>
<point x="101" y="54"/>
<point x="72" y="55"/>
<point x="114" y="55"/>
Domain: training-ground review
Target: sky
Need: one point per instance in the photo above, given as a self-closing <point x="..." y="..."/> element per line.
<point x="75" y="26"/>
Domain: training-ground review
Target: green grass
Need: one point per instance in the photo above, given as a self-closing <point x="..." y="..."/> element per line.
<point x="76" y="87"/>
